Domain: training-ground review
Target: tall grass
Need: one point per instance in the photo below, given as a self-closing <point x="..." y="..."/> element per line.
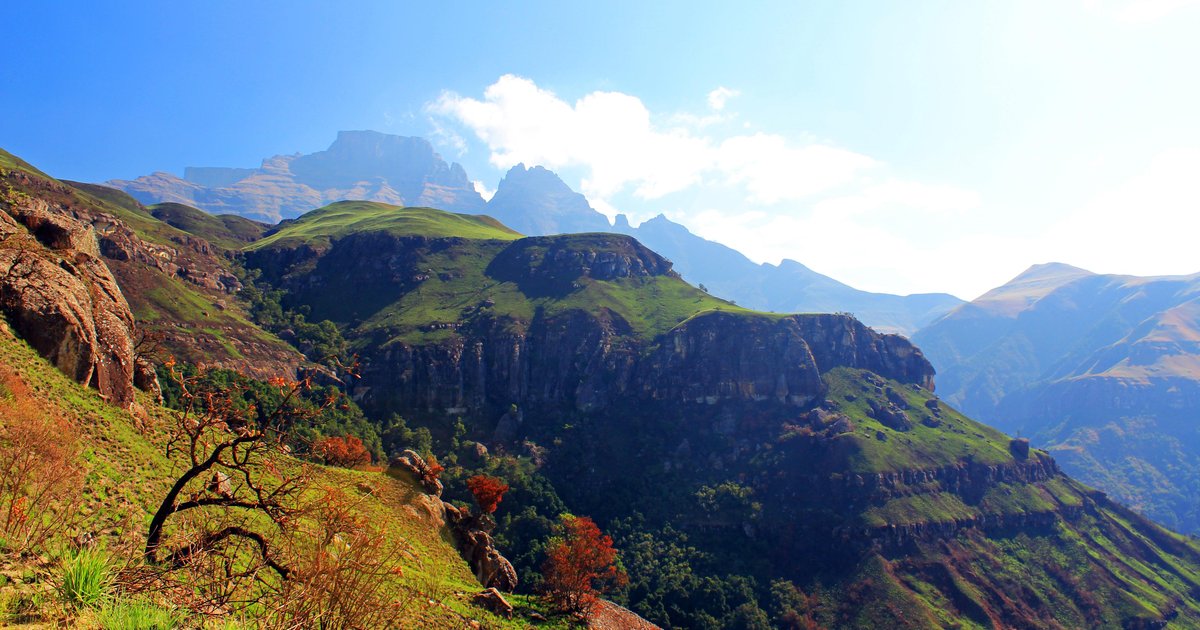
<point x="87" y="579"/>
<point x="139" y="615"/>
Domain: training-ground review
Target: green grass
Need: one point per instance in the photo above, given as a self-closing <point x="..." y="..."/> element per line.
<point x="225" y="230"/>
<point x="139" y="615"/>
<point x="346" y="217"/>
<point x="87" y="579"/>
<point x="922" y="447"/>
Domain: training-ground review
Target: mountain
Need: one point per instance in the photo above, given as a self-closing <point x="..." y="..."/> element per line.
<point x="754" y="469"/>
<point x="745" y="461"/>
<point x="535" y="201"/>
<point x="788" y="287"/>
<point x="1101" y="369"/>
<point x="358" y="165"/>
<point x="371" y="166"/>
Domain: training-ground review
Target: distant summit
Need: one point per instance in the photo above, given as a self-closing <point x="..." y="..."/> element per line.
<point x="536" y="201"/>
<point x="401" y="171"/>
<point x="359" y="165"/>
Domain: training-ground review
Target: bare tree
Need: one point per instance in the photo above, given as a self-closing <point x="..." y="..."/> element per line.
<point x="230" y="460"/>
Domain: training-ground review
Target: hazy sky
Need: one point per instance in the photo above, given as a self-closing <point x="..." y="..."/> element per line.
<point x="897" y="146"/>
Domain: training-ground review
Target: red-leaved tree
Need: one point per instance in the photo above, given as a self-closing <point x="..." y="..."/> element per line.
<point x="581" y="565"/>
<point x="346" y="452"/>
<point x="488" y="492"/>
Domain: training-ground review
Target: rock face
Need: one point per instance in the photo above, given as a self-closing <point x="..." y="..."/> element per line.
<point x="58" y="294"/>
<point x="363" y="165"/>
<point x="576" y="359"/>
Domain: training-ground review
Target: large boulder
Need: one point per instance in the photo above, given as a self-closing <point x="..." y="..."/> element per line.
<point x="62" y="299"/>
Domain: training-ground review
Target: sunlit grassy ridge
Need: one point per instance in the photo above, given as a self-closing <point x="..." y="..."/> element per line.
<point x="460" y="284"/>
<point x="346" y="217"/>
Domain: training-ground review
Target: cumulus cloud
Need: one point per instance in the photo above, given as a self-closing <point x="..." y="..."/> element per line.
<point x="778" y="197"/>
<point x="616" y="140"/>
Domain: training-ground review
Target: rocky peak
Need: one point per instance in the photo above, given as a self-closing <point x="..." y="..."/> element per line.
<point x="536" y="201"/>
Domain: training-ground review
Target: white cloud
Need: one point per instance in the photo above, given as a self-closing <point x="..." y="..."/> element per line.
<point x="483" y="190"/>
<point x="613" y="136"/>
<point x="720" y="96"/>
<point x="772" y="170"/>
<point x="1138" y="11"/>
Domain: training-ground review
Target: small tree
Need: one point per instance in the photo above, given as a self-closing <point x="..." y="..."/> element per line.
<point x="488" y="492"/>
<point x="230" y="456"/>
<point x="581" y="565"/>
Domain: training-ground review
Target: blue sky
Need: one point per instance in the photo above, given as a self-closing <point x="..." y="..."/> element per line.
<point x="897" y="146"/>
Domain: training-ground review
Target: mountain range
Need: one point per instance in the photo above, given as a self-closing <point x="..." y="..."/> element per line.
<point x="370" y="166"/>
<point x="1103" y="370"/>
<point x="754" y="469"/>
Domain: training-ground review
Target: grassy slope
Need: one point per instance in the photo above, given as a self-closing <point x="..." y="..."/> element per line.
<point x="127" y="472"/>
<point x="1089" y="570"/>
<point x="225" y="230"/>
<point x="345" y="217"/>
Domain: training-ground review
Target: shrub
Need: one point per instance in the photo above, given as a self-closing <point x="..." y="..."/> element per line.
<point x="345" y="572"/>
<point x="346" y="452"/>
<point x="40" y="477"/>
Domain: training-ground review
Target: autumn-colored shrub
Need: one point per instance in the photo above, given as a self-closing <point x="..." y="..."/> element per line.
<point x="345" y="571"/>
<point x="581" y="565"/>
<point x="488" y="492"/>
<point x="40" y="475"/>
<point x="346" y="452"/>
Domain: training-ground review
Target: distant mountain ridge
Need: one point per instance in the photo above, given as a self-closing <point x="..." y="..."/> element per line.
<point x="364" y="165"/>
<point x="1104" y="370"/>
<point x="371" y="166"/>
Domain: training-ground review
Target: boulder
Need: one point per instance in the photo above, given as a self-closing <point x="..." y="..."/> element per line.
<point x="62" y="299"/>
<point x="492" y="601"/>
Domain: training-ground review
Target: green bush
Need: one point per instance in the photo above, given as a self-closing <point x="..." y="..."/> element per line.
<point x="87" y="579"/>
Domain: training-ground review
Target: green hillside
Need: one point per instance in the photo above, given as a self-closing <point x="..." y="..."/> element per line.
<point x="125" y="475"/>
<point x="346" y="217"/>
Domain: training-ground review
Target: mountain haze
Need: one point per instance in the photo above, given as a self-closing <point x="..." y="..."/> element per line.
<point x="1101" y="369"/>
<point x="358" y="165"/>
<point x="371" y="166"/>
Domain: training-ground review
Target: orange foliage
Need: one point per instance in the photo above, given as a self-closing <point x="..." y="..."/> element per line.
<point x="580" y="566"/>
<point x="488" y="492"/>
<point x="40" y="474"/>
<point x="346" y="452"/>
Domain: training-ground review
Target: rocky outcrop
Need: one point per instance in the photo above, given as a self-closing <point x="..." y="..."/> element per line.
<point x="478" y="548"/>
<point x="553" y="264"/>
<point x="58" y="294"/>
